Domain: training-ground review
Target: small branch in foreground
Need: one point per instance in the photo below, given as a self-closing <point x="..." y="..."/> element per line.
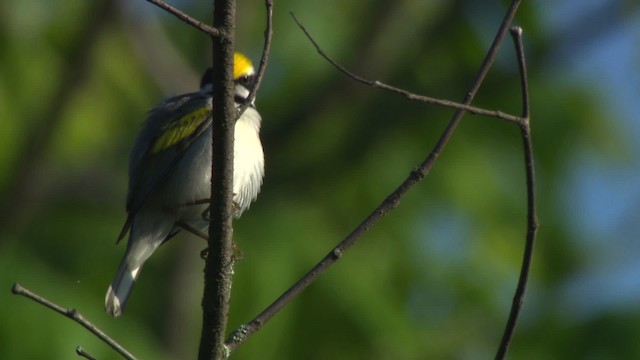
<point x="247" y="330"/>
<point x="80" y="351"/>
<point x="407" y="94"/>
<point x="209" y="30"/>
<point x="532" y="218"/>
<point x="74" y="315"/>
<point x="266" y="51"/>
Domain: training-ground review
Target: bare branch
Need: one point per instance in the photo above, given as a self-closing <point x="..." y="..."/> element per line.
<point x="219" y="264"/>
<point x="74" y="315"/>
<point x="266" y="51"/>
<point x="80" y="351"/>
<point x="245" y="331"/>
<point x="532" y="218"/>
<point x="516" y="34"/>
<point x="407" y="94"/>
<point x="209" y="30"/>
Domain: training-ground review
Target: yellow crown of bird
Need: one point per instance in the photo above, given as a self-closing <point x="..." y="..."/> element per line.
<point x="241" y="66"/>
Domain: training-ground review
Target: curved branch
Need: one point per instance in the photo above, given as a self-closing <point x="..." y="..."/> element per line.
<point x="407" y="94"/>
<point x="244" y="332"/>
<point x="74" y="315"/>
<point x="532" y="218"/>
<point x="266" y="51"/>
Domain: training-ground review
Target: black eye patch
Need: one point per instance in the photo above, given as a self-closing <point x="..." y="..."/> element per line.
<point x="246" y="81"/>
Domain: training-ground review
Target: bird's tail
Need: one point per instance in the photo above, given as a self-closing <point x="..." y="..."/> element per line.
<point x="120" y="288"/>
<point x="148" y="231"/>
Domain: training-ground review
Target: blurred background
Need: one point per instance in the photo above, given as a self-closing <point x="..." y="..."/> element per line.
<point x="434" y="279"/>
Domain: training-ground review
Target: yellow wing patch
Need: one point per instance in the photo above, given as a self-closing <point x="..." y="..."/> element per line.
<point x="185" y="126"/>
<point x="241" y="66"/>
<point x="180" y="129"/>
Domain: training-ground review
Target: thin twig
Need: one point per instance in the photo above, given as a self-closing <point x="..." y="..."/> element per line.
<point x="80" y="351"/>
<point x="74" y="315"/>
<point x="209" y="30"/>
<point x="266" y="51"/>
<point x="329" y="90"/>
<point x="407" y="94"/>
<point x="245" y="331"/>
<point x="516" y="34"/>
<point x="532" y="218"/>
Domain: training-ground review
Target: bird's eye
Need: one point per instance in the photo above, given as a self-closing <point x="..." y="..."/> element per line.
<point x="246" y="81"/>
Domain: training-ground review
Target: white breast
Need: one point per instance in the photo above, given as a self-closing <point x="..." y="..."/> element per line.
<point x="191" y="179"/>
<point x="248" y="162"/>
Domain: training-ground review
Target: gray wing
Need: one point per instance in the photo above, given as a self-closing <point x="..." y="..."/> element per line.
<point x="148" y="167"/>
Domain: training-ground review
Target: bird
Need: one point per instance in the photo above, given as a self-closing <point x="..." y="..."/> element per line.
<point x="170" y="173"/>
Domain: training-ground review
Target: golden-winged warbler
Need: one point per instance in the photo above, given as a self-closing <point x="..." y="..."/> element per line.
<point x="170" y="173"/>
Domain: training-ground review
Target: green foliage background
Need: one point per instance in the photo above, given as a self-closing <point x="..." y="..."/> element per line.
<point x="433" y="280"/>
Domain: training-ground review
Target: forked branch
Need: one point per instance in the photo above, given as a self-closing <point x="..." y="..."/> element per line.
<point x="245" y="331"/>
<point x="532" y="218"/>
<point x="240" y="335"/>
<point x="219" y="263"/>
<point x="74" y="315"/>
<point x="407" y="94"/>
